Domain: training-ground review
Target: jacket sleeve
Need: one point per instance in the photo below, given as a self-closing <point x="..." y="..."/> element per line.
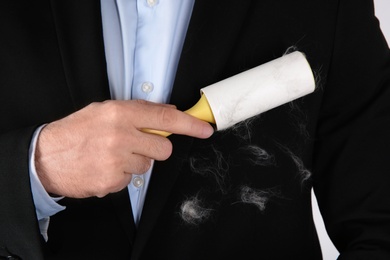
<point x="19" y="231"/>
<point x="352" y="158"/>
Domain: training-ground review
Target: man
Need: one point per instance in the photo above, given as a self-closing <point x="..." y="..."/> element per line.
<point x="240" y="194"/>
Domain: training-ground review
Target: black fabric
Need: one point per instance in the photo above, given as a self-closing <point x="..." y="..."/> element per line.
<point x="52" y="63"/>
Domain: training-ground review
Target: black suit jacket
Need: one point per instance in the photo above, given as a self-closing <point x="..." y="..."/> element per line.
<point x="52" y="63"/>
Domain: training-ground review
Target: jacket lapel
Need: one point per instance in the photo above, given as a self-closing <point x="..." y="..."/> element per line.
<point x="210" y="41"/>
<point x="211" y="33"/>
<point x="121" y="202"/>
<point x="80" y="39"/>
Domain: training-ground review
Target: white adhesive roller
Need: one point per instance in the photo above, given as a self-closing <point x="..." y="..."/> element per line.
<point x="259" y="89"/>
<point x="253" y="92"/>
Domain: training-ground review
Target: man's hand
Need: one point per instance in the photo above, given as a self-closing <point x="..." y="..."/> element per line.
<point x="96" y="150"/>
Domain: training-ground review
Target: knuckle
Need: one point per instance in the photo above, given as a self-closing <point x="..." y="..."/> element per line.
<point x="112" y="110"/>
<point x="138" y="165"/>
<point x="165" y="149"/>
<point x="159" y="148"/>
<point x="100" y="193"/>
<point x="108" y="184"/>
<point x="112" y="143"/>
<point x="167" y="117"/>
<point x="102" y="188"/>
<point x="93" y="105"/>
<point x="141" y="166"/>
<point x="96" y="104"/>
<point x="140" y="102"/>
<point x="145" y="165"/>
<point x="168" y="147"/>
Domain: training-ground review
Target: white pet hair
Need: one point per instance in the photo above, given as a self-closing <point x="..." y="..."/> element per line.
<point x="242" y="129"/>
<point x="317" y="78"/>
<point x="193" y="212"/>
<point x="258" y="198"/>
<point x="216" y="167"/>
<point x="303" y="172"/>
<point x="290" y="49"/>
<point x="300" y="120"/>
<point x="258" y="156"/>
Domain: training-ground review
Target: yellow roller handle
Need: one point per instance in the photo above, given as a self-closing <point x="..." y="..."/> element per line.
<point x="200" y="110"/>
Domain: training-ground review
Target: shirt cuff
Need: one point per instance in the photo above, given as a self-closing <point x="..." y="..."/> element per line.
<point x="45" y="206"/>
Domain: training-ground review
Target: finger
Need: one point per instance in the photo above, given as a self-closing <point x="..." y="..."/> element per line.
<point x="150" y="146"/>
<point x="178" y="122"/>
<point x="137" y="164"/>
<point x="149" y="103"/>
<point x="173" y="121"/>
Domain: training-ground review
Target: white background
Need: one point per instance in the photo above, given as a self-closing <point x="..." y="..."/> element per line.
<point x="382" y="10"/>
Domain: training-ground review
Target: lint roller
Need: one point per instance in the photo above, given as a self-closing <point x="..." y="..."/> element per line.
<point x="253" y="92"/>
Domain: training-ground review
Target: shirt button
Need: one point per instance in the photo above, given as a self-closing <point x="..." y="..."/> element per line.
<point x="138" y="181"/>
<point x="152" y="3"/>
<point x="147" y="87"/>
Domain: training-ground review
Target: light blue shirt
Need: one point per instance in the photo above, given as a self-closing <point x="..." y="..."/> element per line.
<point x="143" y="41"/>
<point x="142" y="53"/>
